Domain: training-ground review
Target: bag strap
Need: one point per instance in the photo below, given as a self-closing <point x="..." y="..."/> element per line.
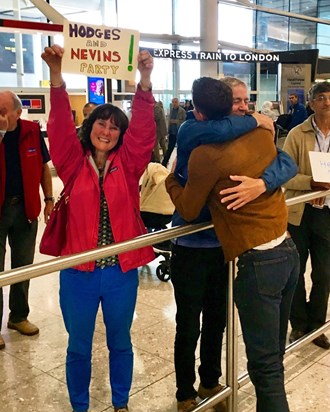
<point x="68" y="186"/>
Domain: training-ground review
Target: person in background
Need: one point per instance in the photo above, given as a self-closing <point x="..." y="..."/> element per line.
<point x="309" y="223"/>
<point x="88" y="108"/>
<point x="266" y="109"/>
<point x="198" y="270"/>
<point x="309" y="110"/>
<point x="23" y="169"/>
<point x="256" y="233"/>
<point x="176" y="118"/>
<point x="188" y="105"/>
<point x="297" y="110"/>
<point x="161" y="131"/>
<point x="106" y="165"/>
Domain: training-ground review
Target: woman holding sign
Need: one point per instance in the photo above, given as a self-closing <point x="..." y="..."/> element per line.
<point x="104" y="208"/>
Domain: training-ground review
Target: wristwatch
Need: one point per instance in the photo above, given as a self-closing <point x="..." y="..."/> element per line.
<point x="49" y="199"/>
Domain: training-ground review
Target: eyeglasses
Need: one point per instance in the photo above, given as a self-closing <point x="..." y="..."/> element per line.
<point x="322" y="98"/>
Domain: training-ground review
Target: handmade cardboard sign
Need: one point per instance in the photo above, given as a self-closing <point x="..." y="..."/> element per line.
<point x="100" y="51"/>
<point x="320" y="164"/>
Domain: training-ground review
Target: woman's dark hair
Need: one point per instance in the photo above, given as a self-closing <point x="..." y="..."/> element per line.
<point x="104" y="112"/>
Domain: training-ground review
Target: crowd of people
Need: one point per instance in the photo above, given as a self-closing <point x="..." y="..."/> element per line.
<point x="227" y="170"/>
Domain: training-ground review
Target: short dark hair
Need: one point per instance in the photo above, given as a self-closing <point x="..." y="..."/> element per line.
<point x="90" y="104"/>
<point x="212" y="97"/>
<point x="104" y="112"/>
<point x="322" y="87"/>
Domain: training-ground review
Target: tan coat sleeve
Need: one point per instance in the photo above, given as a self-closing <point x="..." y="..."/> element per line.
<point x="298" y="145"/>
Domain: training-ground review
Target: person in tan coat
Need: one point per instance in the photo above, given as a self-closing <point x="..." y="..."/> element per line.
<point x="309" y="223"/>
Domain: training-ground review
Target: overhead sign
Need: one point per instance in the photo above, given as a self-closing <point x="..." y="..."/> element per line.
<point x="214" y="56"/>
<point x="109" y="52"/>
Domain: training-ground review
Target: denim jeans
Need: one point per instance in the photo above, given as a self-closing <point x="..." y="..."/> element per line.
<point x="81" y="293"/>
<point x="263" y="291"/>
<point x="200" y="279"/>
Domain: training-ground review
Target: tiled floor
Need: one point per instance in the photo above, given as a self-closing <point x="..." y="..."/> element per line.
<point x="32" y="371"/>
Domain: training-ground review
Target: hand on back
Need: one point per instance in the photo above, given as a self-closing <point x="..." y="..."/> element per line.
<point x="264" y="121"/>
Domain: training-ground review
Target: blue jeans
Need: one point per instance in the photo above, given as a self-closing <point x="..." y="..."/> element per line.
<point x="80" y="296"/>
<point x="263" y="292"/>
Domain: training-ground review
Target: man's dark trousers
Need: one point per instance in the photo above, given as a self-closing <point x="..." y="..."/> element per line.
<point x="22" y="238"/>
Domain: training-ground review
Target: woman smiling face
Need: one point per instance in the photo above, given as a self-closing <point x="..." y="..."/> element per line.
<point x="104" y="135"/>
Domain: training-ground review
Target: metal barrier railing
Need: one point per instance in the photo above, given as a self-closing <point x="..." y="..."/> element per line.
<point x="233" y="382"/>
<point x="52" y="265"/>
<point x="38" y="269"/>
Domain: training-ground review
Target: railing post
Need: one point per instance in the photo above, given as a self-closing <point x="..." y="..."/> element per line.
<point x="231" y="342"/>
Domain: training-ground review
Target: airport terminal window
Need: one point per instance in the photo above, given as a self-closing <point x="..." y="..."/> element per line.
<point x="324" y="9"/>
<point x="271" y="32"/>
<point x="306" y="7"/>
<point x="162" y="78"/>
<point x="146" y="16"/>
<point x="189" y="70"/>
<point x="283" y="33"/>
<point x="323" y="31"/>
<point x="268" y="88"/>
<point x="235" y="25"/>
<point x="27" y="69"/>
<point x="21" y="10"/>
<point x="8" y="53"/>
<point x="302" y="35"/>
<point x="244" y="71"/>
<point x="323" y="39"/>
<point x="278" y="4"/>
<point x="182" y="25"/>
